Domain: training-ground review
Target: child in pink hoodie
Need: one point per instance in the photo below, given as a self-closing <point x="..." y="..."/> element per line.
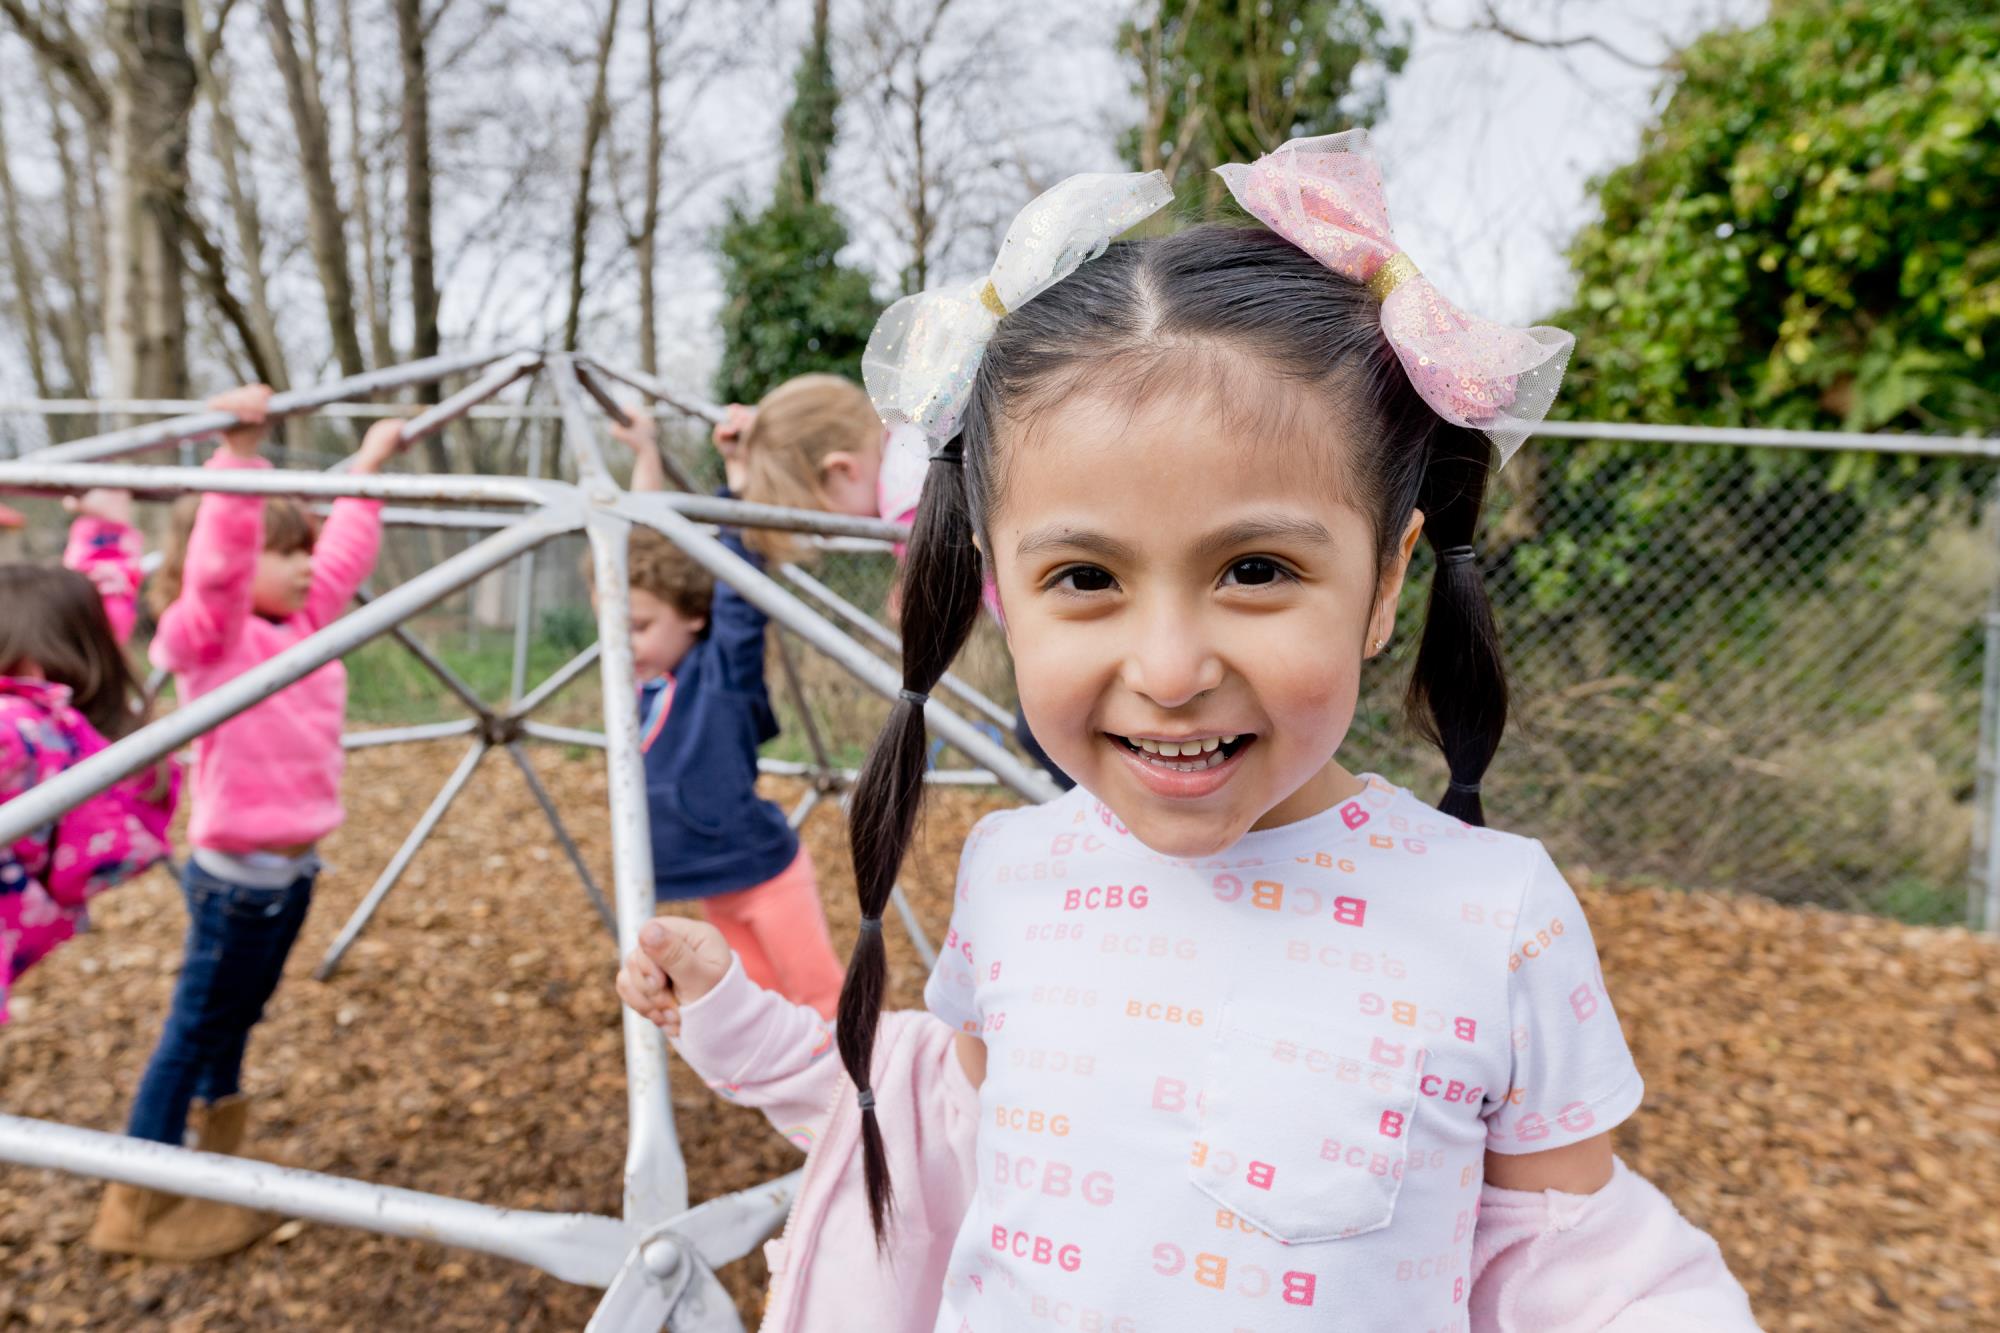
<point x="244" y="579"/>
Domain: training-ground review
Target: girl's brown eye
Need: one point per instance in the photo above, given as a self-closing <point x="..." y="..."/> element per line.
<point x="1255" y="572"/>
<point x="1084" y="578"/>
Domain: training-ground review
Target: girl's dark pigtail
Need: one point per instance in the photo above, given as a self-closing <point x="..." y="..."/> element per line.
<point x="940" y="591"/>
<point x="1458" y="688"/>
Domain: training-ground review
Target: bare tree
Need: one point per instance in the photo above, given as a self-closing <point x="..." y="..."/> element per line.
<point x="149" y="114"/>
<point x="1155" y="53"/>
<point x="27" y="300"/>
<point x="326" y="224"/>
<point x="411" y="31"/>
<point x="645" y="242"/>
<point x="595" y="115"/>
<point x="239" y="192"/>
<point x="374" y="288"/>
<point x="80" y="318"/>
<point x="937" y="85"/>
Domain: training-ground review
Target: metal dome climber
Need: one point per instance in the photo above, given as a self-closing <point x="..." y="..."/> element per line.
<point x="657" y="1260"/>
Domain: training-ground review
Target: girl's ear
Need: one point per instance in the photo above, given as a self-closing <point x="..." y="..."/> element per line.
<point x="1382" y="618"/>
<point x="839" y="465"/>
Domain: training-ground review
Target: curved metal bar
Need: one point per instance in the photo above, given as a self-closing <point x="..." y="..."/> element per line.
<point x="576" y="1247"/>
<point x="155" y="741"/>
<point x="146" y="478"/>
<point x="292" y="402"/>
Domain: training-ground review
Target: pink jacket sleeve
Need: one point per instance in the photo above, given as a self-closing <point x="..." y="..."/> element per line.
<point x="107" y="554"/>
<point x="756" y="1047"/>
<point x="217" y="577"/>
<point x="1622" y="1260"/>
<point x="343" y="556"/>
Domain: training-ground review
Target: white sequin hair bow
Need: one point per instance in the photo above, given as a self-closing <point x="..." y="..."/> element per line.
<point x="925" y="351"/>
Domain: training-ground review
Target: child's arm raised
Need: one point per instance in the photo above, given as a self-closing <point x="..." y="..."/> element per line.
<point x="220" y="568"/>
<point x="642" y="437"/>
<point x="104" y="547"/>
<point x="345" y="552"/>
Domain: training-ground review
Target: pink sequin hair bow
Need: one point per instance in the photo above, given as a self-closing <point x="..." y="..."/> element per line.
<point x="1324" y="195"/>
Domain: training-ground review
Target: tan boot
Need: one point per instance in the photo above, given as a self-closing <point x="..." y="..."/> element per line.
<point x="126" y="1217"/>
<point x="204" y="1229"/>
<point x="154" y="1225"/>
<point x="220" y="1126"/>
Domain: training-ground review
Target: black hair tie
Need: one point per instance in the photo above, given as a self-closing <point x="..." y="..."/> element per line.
<point x="1463" y="788"/>
<point x="1457" y="555"/>
<point x="913" y="696"/>
<point x="952" y="456"/>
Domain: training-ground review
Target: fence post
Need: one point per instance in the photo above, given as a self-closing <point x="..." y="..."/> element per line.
<point x="1982" y="909"/>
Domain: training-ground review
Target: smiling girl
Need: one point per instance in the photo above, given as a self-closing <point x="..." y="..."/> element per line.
<point x="1240" y="1034"/>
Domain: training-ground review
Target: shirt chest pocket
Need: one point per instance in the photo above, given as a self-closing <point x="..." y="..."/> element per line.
<point x="1304" y="1131"/>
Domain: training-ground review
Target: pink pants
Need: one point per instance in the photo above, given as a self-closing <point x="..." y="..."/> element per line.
<point x="778" y="929"/>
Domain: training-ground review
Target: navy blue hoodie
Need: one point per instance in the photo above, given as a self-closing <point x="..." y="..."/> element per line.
<point x="712" y="833"/>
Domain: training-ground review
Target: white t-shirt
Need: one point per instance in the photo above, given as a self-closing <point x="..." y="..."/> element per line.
<point x="1256" y="1092"/>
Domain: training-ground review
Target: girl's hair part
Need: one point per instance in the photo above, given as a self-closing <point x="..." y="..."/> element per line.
<point x="288" y="527"/>
<point x="55" y="618"/>
<point x="798" y="424"/>
<point x="1243" y="315"/>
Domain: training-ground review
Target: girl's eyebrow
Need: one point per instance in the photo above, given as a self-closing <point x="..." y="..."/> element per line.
<point x="1061" y="537"/>
<point x="1250" y="531"/>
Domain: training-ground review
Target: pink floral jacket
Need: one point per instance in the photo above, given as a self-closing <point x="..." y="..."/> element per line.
<point x="49" y="876"/>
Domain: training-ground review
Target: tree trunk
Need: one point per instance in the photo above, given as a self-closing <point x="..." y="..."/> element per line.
<point x="27" y="303"/>
<point x="79" y="320"/>
<point x="595" y="114"/>
<point x="374" y="293"/>
<point x="146" y="323"/>
<point x="417" y="186"/>
<point x="649" y="217"/>
<point x="325" y="224"/>
<point x="920" y="199"/>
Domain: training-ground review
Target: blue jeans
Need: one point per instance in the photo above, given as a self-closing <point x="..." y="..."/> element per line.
<point x="237" y="941"/>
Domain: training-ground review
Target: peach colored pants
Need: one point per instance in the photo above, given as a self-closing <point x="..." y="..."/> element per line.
<point x="778" y="929"/>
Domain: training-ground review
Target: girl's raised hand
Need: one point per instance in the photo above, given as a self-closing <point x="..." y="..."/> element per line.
<point x="249" y="405"/>
<point x="378" y="446"/>
<point x="734" y="428"/>
<point x="731" y="435"/>
<point x="102" y="502"/>
<point x="677" y="962"/>
<point x="642" y="437"/>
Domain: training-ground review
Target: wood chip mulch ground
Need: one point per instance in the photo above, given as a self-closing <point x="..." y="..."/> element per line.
<point x="1823" y="1090"/>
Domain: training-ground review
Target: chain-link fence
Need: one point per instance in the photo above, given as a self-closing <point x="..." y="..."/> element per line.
<point x="1750" y="668"/>
<point x="1757" y="669"/>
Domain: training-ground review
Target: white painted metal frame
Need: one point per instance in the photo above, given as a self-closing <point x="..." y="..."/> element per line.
<point x="657" y="1259"/>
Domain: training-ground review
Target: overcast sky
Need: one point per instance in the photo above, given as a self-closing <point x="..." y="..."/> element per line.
<point x="1487" y="146"/>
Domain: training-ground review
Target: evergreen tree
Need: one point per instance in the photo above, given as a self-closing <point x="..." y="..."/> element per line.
<point x="1229" y="83"/>
<point x="790" y="306"/>
<point x="1806" y="240"/>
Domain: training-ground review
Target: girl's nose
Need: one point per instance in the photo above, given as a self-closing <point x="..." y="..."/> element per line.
<point x="1170" y="658"/>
